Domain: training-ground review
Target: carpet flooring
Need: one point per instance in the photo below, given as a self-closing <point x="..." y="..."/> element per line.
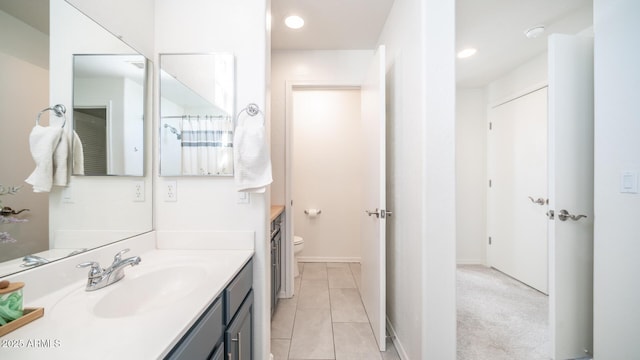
<point x="499" y="317"/>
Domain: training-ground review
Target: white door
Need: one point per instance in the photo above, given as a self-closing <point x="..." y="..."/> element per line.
<point x="571" y="190"/>
<point x="518" y="191"/>
<point x="373" y="288"/>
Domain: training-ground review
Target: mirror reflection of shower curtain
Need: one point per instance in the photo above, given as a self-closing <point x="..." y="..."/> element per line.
<point x="207" y="146"/>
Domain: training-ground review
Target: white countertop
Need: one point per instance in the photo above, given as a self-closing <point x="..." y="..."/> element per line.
<point x="72" y="334"/>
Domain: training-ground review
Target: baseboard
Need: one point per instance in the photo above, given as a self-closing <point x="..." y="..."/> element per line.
<point x="328" y="259"/>
<point x="396" y="341"/>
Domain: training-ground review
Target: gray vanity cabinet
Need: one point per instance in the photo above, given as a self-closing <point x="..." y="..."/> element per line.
<point x="239" y="334"/>
<point x="276" y="260"/>
<point x="225" y="330"/>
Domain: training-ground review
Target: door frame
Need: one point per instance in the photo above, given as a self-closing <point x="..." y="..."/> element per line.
<point x="290" y="87"/>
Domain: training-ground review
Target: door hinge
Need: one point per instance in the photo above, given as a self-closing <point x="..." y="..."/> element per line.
<point x="489" y="240"/>
<point x="490" y="183"/>
<point x="490" y="126"/>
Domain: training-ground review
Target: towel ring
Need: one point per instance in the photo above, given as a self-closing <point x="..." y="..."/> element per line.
<point x="60" y="111"/>
<point x="252" y="110"/>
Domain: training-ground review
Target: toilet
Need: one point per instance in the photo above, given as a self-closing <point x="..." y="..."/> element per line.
<point x="298" y="245"/>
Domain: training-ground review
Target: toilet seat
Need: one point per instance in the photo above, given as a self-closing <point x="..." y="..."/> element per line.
<point x="297" y="240"/>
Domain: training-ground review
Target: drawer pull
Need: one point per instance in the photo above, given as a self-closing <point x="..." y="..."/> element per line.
<point x="239" y="341"/>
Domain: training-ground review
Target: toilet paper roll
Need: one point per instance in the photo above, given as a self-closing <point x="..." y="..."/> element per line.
<point x="312" y="212"/>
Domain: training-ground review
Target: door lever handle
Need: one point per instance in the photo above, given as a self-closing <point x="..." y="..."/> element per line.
<point x="539" y="201"/>
<point x="375" y="212"/>
<point x="563" y="215"/>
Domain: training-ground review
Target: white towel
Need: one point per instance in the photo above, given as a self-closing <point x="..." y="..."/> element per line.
<point x="78" y="155"/>
<point x="60" y="160"/>
<point x="43" y="141"/>
<point x="251" y="156"/>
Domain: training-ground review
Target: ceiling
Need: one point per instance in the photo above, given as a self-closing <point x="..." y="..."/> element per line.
<point x="495" y="27"/>
<point x="329" y="24"/>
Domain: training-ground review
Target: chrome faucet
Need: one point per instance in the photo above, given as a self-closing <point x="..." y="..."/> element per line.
<point x="33" y="260"/>
<point x="99" y="277"/>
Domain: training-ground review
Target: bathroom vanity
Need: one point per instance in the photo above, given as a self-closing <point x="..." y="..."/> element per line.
<point x="177" y="304"/>
<point x="231" y="315"/>
<point x="277" y="232"/>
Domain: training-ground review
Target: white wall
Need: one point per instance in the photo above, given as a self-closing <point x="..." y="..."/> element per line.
<point x="617" y="149"/>
<point x="419" y="37"/>
<point x="321" y="67"/>
<point x="523" y="79"/>
<point x="471" y="176"/>
<point x="130" y="20"/>
<point x="438" y="181"/>
<point x="210" y="203"/>
<point x="327" y="173"/>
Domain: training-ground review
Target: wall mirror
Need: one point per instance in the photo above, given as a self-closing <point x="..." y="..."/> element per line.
<point x="37" y="45"/>
<point x="197" y="101"/>
<point x="108" y="114"/>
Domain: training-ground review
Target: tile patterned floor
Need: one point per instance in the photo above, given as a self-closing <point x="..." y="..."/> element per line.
<point x="325" y="319"/>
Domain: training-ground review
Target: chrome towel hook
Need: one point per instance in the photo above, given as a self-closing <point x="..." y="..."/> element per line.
<point x="60" y="111"/>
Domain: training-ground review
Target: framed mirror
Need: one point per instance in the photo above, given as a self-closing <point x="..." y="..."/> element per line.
<point x="36" y="63"/>
<point x="197" y="102"/>
<point x="108" y="114"/>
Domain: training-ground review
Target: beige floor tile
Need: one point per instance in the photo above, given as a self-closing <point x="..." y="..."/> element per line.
<point x="325" y="319"/>
<point x="340" y="278"/>
<point x="346" y="306"/>
<point x="312" y="335"/>
<point x="296" y="286"/>
<point x="355" y="270"/>
<point x="282" y="321"/>
<point x="315" y="271"/>
<point x="354" y="341"/>
<point x="280" y="349"/>
<point x="314" y="294"/>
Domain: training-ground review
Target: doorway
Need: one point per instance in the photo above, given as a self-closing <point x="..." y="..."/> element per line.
<point x="517" y="195"/>
<point x="326" y="167"/>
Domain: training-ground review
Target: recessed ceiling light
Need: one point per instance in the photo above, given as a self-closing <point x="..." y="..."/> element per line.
<point x="534" y="32"/>
<point x="466" y="53"/>
<point x="294" y="22"/>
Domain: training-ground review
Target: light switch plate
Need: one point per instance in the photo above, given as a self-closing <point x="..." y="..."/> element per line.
<point x="629" y="182"/>
<point x="243" y="197"/>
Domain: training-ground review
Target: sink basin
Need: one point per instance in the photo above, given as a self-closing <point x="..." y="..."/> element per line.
<point x="152" y="288"/>
<point x="160" y="288"/>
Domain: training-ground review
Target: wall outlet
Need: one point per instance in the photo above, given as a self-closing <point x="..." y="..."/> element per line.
<point x="67" y="195"/>
<point x="138" y="191"/>
<point x="243" y="197"/>
<point x="170" y="191"/>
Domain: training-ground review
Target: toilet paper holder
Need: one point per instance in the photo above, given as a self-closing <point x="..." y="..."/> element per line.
<point x="313" y="212"/>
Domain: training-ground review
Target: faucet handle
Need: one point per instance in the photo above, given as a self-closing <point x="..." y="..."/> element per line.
<point x="95" y="267"/>
<point x="118" y="256"/>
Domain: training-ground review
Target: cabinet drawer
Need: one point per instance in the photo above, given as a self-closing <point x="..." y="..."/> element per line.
<point x="235" y="293"/>
<point x="199" y="342"/>
<point x="238" y="338"/>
